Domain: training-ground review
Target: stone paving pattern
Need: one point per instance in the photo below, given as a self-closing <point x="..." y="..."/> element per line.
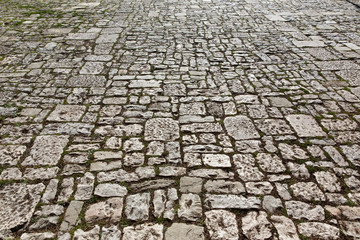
<point x="192" y="119"/>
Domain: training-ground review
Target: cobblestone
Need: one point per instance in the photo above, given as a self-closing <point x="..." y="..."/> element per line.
<point x="179" y="119"/>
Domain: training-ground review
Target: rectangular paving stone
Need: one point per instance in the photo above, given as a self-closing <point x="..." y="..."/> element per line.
<point x="305" y="125"/>
<point x="46" y="150"/>
<point x="67" y="113"/>
<point x="337" y="65"/>
<point x="309" y="43"/>
<point x="82" y="36"/>
<point x="87" y="81"/>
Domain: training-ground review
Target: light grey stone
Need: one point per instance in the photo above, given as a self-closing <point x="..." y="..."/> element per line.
<point x="137" y="206"/>
<point x="255" y="226"/>
<point x="352" y="153"/>
<point x="271" y="204"/>
<point x="308" y="191"/>
<point x="270" y="163"/>
<point x="240" y="127"/>
<point x="182" y="231"/>
<point x="351" y="228"/>
<point x="110" y="233"/>
<point x="231" y="201"/>
<point x="190" y="207"/>
<point x="222" y="186"/>
<point x="159" y="201"/>
<point x="37" y="236"/>
<point x="216" y="160"/>
<point x="110" y="190"/>
<point x="11" y="154"/>
<point x="305" y="125"/>
<point x="85" y="187"/>
<point x="258" y="188"/>
<point x="92" y="234"/>
<point x="109" y="211"/>
<point x="18" y="202"/>
<point x="318" y="230"/>
<point x="328" y="181"/>
<point x="71" y="215"/>
<point x="222" y="224"/>
<point x="161" y="129"/>
<point x="285" y="228"/>
<point x="190" y="185"/>
<point x="143" y="231"/>
<point x="301" y="210"/>
<point x="67" y="113"/>
<point x="46" y="150"/>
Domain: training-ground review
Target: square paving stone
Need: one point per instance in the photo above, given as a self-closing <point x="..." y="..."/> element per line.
<point x="240" y="127"/>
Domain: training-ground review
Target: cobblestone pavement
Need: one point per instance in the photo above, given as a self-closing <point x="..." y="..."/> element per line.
<point x="192" y="119"/>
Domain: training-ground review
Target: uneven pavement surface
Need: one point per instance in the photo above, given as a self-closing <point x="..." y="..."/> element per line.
<point x="179" y="120"/>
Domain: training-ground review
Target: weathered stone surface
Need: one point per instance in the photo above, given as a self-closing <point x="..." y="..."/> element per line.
<point x="222" y="186"/>
<point x="162" y="129"/>
<point x="318" y="230"/>
<point x="202" y="128"/>
<point x="345" y="212"/>
<point x="110" y="233"/>
<point x="305" y="125"/>
<point x="271" y="204"/>
<point x="292" y="152"/>
<point x="68" y="128"/>
<point x="109" y="211"/>
<point x="80" y="234"/>
<point x="67" y="113"/>
<point x="298" y="170"/>
<point x="37" y="236"/>
<point x="46" y="150"/>
<point x="190" y="207"/>
<point x="221" y="224"/>
<point x="216" y="160"/>
<point x="231" y="201"/>
<point x="182" y="231"/>
<point x="71" y="215"/>
<point x="190" y="185"/>
<point x="285" y="228"/>
<point x="18" y="202"/>
<point x="273" y="127"/>
<point x="137" y="206"/>
<point x="300" y="210"/>
<point x="270" y="163"/>
<point x="143" y="231"/>
<point x="255" y="226"/>
<point x="85" y="187"/>
<point x="11" y="154"/>
<point x="151" y="184"/>
<point x="240" y="127"/>
<point x="159" y="201"/>
<point x="352" y="153"/>
<point x="196" y="108"/>
<point x="246" y="167"/>
<point x="174" y="90"/>
<point x="308" y="191"/>
<point x="258" y="188"/>
<point x="351" y="228"/>
<point x="180" y="108"/>
<point x="328" y="181"/>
